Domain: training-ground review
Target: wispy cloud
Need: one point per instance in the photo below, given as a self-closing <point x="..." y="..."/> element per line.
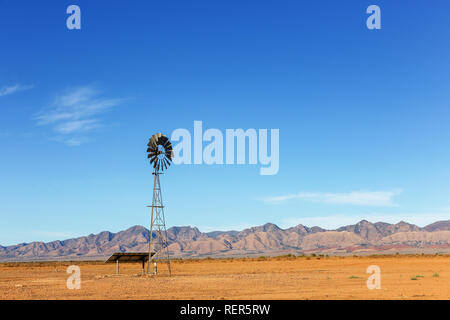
<point x="77" y="126"/>
<point x="4" y="91"/>
<point x="362" y="198"/>
<point x="75" y="112"/>
<point x="73" y="142"/>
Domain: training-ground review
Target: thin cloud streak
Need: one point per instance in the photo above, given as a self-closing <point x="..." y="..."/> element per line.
<point x="73" y="142"/>
<point x="5" y="91"/>
<point x="361" y="198"/>
<point x="76" y="111"/>
<point x="77" y="126"/>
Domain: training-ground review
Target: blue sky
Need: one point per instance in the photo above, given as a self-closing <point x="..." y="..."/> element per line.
<point x="363" y="114"/>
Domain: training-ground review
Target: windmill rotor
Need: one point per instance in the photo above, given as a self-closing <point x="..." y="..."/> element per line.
<point x="160" y="152"/>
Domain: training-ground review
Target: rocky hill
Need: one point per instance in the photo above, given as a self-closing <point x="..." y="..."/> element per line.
<point x="362" y="238"/>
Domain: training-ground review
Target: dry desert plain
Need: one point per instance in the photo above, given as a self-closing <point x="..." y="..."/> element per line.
<point x="402" y="277"/>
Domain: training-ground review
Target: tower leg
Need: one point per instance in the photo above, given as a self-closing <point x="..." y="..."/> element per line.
<point x="150" y="242"/>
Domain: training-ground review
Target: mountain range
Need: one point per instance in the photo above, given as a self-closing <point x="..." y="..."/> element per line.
<point x="362" y="238"/>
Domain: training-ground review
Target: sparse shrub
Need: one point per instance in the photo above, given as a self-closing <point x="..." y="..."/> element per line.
<point x="353" y="277"/>
<point x="435" y="275"/>
<point x="413" y="278"/>
<point x="288" y="256"/>
<point x="261" y="258"/>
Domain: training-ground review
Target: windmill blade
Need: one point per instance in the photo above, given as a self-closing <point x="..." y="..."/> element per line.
<point x="162" y="140"/>
<point x="156" y="137"/>
<point x="167" y="163"/>
<point x="151" y="143"/>
<point x="167" y="142"/>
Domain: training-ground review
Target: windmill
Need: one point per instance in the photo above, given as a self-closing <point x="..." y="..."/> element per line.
<point x="160" y="154"/>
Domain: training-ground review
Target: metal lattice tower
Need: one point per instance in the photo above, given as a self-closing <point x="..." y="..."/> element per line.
<point x="159" y="244"/>
<point x="160" y="155"/>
